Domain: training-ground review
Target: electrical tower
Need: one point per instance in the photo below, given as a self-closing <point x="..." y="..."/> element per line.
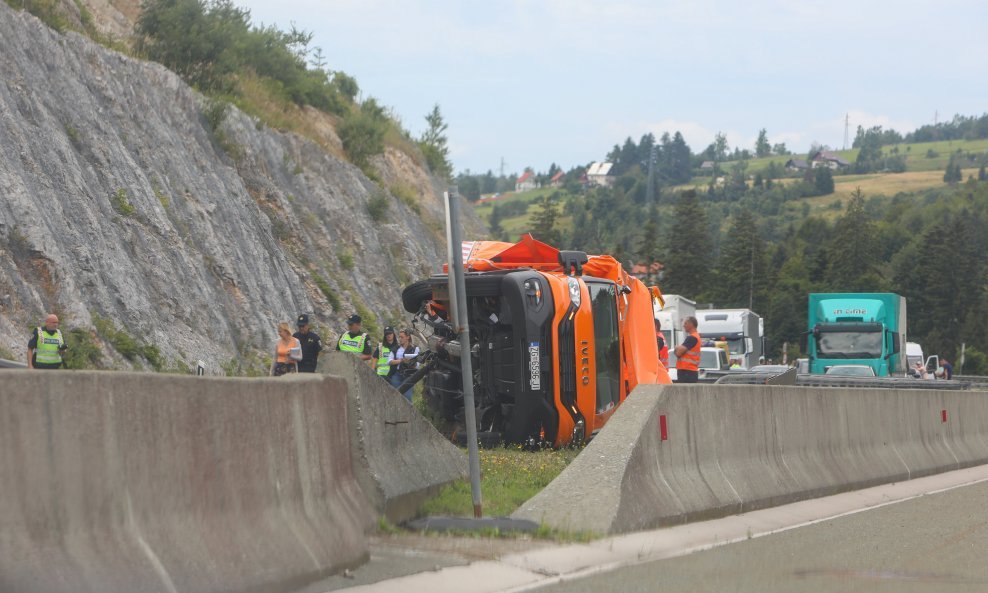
<point x="847" y="122"/>
<point x="503" y="164"/>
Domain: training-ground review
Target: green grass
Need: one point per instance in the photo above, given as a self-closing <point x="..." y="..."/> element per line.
<point x="509" y="477"/>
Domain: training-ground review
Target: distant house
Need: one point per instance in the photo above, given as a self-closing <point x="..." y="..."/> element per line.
<point x="707" y="166"/>
<point x="797" y="165"/>
<point x="825" y="158"/>
<point x="557" y="179"/>
<point x="599" y="175"/>
<point x="526" y="182"/>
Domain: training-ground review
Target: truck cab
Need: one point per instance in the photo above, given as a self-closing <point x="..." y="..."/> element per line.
<point x="857" y="328"/>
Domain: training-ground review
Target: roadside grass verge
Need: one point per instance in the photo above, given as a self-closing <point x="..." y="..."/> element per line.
<point x="508" y="477"/>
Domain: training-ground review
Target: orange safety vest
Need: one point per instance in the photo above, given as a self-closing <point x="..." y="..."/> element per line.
<point x="690" y="360"/>
<point x="664" y="350"/>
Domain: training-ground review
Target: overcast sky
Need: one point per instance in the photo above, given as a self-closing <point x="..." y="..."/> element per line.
<point x="537" y="82"/>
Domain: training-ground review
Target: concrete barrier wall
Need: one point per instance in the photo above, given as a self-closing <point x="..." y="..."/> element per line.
<point x="731" y="449"/>
<point x="124" y="482"/>
<point x="399" y="457"/>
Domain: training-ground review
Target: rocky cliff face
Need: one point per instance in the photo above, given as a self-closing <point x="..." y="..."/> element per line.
<point x="123" y="203"/>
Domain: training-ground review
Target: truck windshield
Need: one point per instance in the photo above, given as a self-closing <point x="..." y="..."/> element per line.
<point x="713" y="359"/>
<point x="849" y="344"/>
<point x="603" y="302"/>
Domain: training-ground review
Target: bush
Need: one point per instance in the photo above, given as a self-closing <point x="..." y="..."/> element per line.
<point x="119" y="202"/>
<point x="327" y="290"/>
<point x="83" y="353"/>
<point x="345" y="258"/>
<point x="362" y="136"/>
<point x="377" y="206"/>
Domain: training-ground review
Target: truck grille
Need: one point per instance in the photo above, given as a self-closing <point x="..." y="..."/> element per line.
<point x="567" y="362"/>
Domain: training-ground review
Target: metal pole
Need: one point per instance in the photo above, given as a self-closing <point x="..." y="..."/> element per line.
<point x="458" y="302"/>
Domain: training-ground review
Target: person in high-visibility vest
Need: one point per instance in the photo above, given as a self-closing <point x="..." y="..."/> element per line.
<point x="384" y="354"/>
<point x="355" y="341"/>
<point x="660" y="341"/>
<point x="688" y="354"/>
<point x="45" y="349"/>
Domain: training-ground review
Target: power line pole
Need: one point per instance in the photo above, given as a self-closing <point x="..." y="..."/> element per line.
<point x="847" y="121"/>
<point x="502" y="166"/>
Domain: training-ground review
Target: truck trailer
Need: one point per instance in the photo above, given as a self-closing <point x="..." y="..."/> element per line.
<point x="670" y="315"/>
<point x="740" y="328"/>
<point x="857" y="328"/>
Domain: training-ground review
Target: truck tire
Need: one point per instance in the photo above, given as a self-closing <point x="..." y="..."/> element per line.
<point x="415" y="294"/>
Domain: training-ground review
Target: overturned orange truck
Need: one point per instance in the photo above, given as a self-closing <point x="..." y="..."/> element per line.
<point x="558" y="338"/>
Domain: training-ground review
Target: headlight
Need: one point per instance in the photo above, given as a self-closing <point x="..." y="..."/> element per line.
<point x="574" y="291"/>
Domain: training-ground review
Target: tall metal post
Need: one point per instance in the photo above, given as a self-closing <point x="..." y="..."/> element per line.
<point x="458" y="302"/>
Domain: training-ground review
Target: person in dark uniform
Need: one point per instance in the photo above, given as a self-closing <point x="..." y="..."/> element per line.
<point x="46" y="346"/>
<point x="354" y="340"/>
<point x="311" y="345"/>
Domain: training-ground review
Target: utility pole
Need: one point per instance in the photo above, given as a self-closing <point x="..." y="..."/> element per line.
<point x="502" y="166"/>
<point x="458" y="316"/>
<point x="847" y="121"/>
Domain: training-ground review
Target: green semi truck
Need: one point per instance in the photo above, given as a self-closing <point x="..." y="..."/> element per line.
<point x="857" y="329"/>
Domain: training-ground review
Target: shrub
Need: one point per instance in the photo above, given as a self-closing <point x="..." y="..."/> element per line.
<point x="327" y="290"/>
<point x="345" y="258"/>
<point x="377" y="206"/>
<point x="362" y="136"/>
<point x="119" y="202"/>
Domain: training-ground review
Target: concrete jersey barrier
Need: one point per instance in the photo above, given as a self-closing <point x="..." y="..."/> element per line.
<point x="124" y="482"/>
<point x="673" y="454"/>
<point x="399" y="457"/>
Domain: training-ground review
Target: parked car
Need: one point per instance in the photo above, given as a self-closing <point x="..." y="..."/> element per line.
<point x="850" y="370"/>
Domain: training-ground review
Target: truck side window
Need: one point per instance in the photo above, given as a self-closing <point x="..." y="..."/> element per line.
<point x="607" y="344"/>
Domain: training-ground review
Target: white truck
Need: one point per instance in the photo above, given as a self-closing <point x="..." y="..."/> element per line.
<point x="740" y="328"/>
<point x="671" y="316"/>
<point x="914" y="354"/>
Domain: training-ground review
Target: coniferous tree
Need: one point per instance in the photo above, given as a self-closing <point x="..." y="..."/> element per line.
<point x="543" y="222"/>
<point x="689" y="254"/>
<point x="743" y="277"/>
<point x="852" y="252"/>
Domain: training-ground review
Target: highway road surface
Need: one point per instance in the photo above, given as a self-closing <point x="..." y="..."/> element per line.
<point x="937" y="542"/>
<point x="928" y="534"/>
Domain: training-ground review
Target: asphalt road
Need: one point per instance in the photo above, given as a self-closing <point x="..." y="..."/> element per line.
<point x="938" y="542"/>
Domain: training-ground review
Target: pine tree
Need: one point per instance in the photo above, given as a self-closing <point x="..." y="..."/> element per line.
<point x="743" y="277"/>
<point x="852" y="251"/>
<point x="689" y="254"/>
<point x="497" y="231"/>
<point x="543" y="222"/>
<point x="433" y="144"/>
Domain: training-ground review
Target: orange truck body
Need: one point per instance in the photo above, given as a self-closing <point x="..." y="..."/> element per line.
<point x="603" y="342"/>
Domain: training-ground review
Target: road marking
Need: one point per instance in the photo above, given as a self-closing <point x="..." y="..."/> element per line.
<point x="516" y="573"/>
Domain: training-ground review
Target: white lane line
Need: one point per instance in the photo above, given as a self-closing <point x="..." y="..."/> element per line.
<point x="517" y="573"/>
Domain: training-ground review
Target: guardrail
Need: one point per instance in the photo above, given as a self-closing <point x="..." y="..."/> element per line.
<point x="11" y="364"/>
<point x="744" y="378"/>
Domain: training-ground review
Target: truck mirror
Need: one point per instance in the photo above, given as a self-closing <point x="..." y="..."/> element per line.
<point x="804" y="339"/>
<point x="895" y="343"/>
<point x="749" y="345"/>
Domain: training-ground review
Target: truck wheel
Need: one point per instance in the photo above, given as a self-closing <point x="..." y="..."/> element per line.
<point x="415" y="294"/>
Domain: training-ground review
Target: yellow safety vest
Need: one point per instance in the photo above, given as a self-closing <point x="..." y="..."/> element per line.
<point x="47" y="350"/>
<point x="383" y="363"/>
<point x="355" y="345"/>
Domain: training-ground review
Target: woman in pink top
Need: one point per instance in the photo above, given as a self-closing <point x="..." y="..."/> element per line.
<point x="287" y="352"/>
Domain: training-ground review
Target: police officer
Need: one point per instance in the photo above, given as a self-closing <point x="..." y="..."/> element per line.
<point x="688" y="354"/>
<point x="355" y="341"/>
<point x="45" y="349"/>
<point x="311" y="345"/>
